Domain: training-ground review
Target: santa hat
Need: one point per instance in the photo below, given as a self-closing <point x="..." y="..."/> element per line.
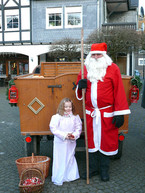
<point x="100" y="48"/>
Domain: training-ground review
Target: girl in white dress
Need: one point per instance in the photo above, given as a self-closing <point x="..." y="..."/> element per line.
<point x="66" y="128"/>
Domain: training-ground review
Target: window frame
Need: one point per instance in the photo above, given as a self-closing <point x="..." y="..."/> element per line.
<point x="54" y="10"/>
<point x="73" y="9"/>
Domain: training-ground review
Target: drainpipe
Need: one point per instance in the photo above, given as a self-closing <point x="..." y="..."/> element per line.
<point x="127" y="67"/>
<point x="98" y="14"/>
<point x="130" y="63"/>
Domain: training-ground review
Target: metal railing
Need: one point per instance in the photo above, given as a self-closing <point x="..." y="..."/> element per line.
<point x="111" y="26"/>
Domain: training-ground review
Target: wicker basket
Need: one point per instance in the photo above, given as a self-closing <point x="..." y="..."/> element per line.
<point x="40" y="162"/>
<point x="28" y="174"/>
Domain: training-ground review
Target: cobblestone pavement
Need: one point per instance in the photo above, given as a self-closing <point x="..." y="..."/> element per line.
<point x="126" y="174"/>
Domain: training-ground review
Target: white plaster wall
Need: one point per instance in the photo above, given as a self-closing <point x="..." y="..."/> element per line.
<point x="32" y="51"/>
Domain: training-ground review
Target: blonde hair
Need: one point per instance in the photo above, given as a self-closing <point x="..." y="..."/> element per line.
<point x="60" y="109"/>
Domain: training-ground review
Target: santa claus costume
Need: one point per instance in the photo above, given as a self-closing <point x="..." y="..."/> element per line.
<point x="105" y="99"/>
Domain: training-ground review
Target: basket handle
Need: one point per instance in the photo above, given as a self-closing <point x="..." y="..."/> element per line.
<point x="32" y="157"/>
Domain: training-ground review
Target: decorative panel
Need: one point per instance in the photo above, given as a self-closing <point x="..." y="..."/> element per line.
<point x="25" y="36"/>
<point x="12" y="36"/>
<point x="25" y="18"/>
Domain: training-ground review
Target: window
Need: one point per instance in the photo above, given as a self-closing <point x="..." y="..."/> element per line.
<point x="54" y="18"/>
<point x="13" y="68"/>
<point x="73" y="17"/>
<point x="11" y="20"/>
<point x="2" y="68"/>
<point x="141" y="61"/>
<point x="23" y="68"/>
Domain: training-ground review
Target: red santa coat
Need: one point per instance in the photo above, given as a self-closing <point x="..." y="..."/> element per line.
<point x="103" y="100"/>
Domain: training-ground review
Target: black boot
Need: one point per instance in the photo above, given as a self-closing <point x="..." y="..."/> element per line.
<point x="93" y="165"/>
<point x="104" y="167"/>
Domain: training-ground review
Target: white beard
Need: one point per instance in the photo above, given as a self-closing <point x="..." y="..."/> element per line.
<point x="96" y="68"/>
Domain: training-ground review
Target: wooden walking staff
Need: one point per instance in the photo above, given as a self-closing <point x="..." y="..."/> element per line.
<point x="84" y="110"/>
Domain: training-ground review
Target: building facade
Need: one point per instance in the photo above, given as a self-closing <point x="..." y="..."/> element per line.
<point x="29" y="27"/>
<point x="123" y="14"/>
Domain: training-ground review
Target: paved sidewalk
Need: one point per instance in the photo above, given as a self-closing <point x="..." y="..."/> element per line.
<point x="127" y="175"/>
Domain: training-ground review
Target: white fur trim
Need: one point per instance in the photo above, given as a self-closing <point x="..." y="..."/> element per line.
<point x="98" y="52"/>
<point x="109" y="153"/>
<point x="103" y="152"/>
<point x="94" y="86"/>
<point x="97" y="132"/>
<point x="88" y="112"/>
<point x="123" y="112"/>
<point x="108" y="114"/>
<point x="76" y="91"/>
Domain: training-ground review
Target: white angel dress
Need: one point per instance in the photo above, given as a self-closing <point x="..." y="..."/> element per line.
<point x="64" y="166"/>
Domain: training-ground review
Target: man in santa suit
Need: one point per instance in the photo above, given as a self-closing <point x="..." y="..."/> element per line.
<point x="106" y="105"/>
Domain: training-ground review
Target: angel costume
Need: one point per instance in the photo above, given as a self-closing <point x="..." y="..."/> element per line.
<point x="64" y="168"/>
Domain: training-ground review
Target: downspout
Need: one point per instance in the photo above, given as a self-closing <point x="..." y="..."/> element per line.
<point x="98" y="14"/>
<point x="133" y="63"/>
<point x="127" y="66"/>
<point x="130" y="63"/>
<point x="105" y="12"/>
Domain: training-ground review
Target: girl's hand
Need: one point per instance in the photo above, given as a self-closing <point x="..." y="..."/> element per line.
<point x="67" y="137"/>
<point x="71" y="136"/>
